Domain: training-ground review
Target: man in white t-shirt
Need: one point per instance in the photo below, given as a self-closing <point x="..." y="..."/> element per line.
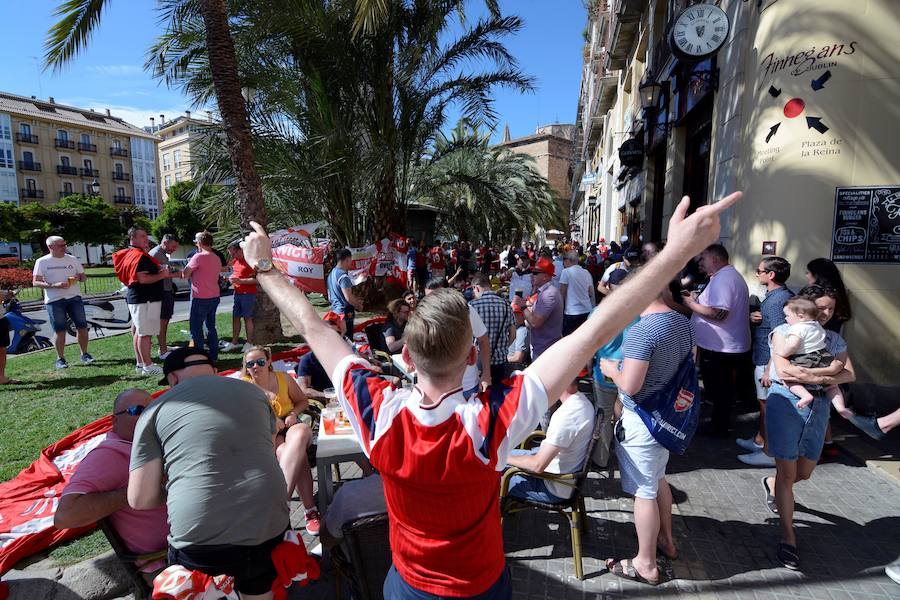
<point x="58" y="275"/>
<point x="576" y="286"/>
<point x="472" y="382"/>
<point x="563" y="450"/>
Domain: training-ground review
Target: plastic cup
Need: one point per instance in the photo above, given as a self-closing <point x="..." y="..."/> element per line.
<point x="72" y="281"/>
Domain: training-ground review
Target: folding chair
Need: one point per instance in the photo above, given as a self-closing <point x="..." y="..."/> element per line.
<point x="364" y="557"/>
<point x="128" y="559"/>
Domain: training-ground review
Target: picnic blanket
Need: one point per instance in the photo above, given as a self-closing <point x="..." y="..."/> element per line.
<point x="28" y="502"/>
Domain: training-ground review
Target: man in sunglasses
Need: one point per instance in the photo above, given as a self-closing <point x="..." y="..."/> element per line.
<point x="98" y="487"/>
<point x="204" y="449"/>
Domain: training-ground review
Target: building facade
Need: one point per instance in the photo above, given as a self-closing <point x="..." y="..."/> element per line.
<point x="59" y="150"/>
<point x="180" y="138"/>
<point x="796" y="106"/>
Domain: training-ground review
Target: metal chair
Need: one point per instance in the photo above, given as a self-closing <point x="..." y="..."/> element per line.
<point x="379" y="349"/>
<point x="128" y="559"/>
<point x="364" y="557"/>
<point x="572" y="508"/>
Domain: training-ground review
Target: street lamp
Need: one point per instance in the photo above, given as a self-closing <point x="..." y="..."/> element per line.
<point x="95" y="188"/>
<point x="650" y="91"/>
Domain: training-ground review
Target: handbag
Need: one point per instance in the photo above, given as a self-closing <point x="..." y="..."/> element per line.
<point x="673" y="413"/>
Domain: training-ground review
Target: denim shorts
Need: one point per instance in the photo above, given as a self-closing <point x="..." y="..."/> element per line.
<point x="243" y="305"/>
<point x="531" y="488"/>
<point x="794" y="432"/>
<point x="73" y="307"/>
<point x="642" y="460"/>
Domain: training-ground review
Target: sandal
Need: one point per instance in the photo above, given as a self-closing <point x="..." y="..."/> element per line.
<point x="11" y="382"/>
<point x="770" y="499"/>
<point x="787" y="556"/>
<point x="624" y="568"/>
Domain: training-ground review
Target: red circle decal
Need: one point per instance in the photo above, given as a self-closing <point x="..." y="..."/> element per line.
<point x="794" y="107"/>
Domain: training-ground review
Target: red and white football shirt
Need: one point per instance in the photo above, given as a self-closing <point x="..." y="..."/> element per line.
<point x="441" y="468"/>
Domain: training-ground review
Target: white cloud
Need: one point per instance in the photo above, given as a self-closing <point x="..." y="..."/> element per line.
<point x="116" y="70"/>
<point x="134" y="115"/>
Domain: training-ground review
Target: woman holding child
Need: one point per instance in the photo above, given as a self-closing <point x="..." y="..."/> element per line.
<point x="796" y="429"/>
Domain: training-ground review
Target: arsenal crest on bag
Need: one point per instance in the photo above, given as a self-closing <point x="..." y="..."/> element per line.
<point x="673" y="413"/>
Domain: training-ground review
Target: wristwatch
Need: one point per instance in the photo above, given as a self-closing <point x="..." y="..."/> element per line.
<point x="263" y="265"/>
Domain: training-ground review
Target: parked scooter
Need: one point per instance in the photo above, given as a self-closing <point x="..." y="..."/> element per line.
<point x="100" y="315"/>
<point x="23" y="335"/>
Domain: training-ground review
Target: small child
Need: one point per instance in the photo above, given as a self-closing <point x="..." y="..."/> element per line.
<point x="804" y="346"/>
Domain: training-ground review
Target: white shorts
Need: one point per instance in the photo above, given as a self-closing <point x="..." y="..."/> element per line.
<point x="761" y="392"/>
<point x="145" y="317"/>
<point x="642" y="460"/>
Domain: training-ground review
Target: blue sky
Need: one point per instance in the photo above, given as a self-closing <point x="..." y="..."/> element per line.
<point x="109" y="73"/>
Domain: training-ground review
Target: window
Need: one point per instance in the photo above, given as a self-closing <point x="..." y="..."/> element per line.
<point x="64" y="161"/>
<point x="62" y="135"/>
<point x="177" y="156"/>
<point x="166" y="164"/>
<point x="85" y="138"/>
<point x="118" y="168"/>
<point x="88" y="165"/>
<point x="117" y="144"/>
<point x="120" y="192"/>
<point x="177" y="177"/>
<point x="25" y="129"/>
<point x="67" y="187"/>
<point x="87" y="189"/>
<point x="28" y="158"/>
<point x="31" y="184"/>
<point x="9" y="159"/>
<point x="167" y="181"/>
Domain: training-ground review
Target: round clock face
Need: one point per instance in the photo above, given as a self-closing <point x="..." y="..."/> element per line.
<point x="699" y="31"/>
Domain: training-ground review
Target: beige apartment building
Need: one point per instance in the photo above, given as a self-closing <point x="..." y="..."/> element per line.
<point x="796" y="105"/>
<point x="49" y="150"/>
<point x="179" y="139"/>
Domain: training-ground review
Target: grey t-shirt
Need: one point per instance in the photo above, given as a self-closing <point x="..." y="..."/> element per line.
<point x="223" y="482"/>
<point x="160" y="255"/>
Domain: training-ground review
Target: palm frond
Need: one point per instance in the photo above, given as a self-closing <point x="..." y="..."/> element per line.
<point x="77" y="21"/>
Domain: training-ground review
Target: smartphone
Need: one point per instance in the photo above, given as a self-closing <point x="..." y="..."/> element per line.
<point x="520" y="293"/>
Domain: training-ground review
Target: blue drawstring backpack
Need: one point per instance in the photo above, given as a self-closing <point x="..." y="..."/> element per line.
<point x="673" y="413"/>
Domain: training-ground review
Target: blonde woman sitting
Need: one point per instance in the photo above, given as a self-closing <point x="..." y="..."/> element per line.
<point x="294" y="437"/>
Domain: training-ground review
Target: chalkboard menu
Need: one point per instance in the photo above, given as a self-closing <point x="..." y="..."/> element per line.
<point x="866" y="225"/>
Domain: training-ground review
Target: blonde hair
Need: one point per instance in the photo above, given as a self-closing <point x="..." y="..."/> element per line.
<point x="803" y="307"/>
<point x="439" y="333"/>
<point x="264" y="349"/>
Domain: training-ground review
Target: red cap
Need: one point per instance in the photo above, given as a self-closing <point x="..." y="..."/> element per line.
<point x="544" y="265"/>
<point x="602" y="240"/>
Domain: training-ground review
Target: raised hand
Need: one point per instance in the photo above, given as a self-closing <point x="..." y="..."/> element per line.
<point x="690" y="235"/>
<point x="256" y="245"/>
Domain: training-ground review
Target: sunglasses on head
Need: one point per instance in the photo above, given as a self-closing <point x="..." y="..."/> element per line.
<point x="259" y="362"/>
<point x="134" y="410"/>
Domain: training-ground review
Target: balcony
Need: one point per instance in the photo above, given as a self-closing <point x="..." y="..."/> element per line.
<point x="26" y="138"/>
<point x="87" y="147"/>
<point x="26" y="193"/>
<point x="89" y="172"/>
<point x="113" y="151"/>
<point x="67" y="144"/>
<point x="29" y="166"/>
<point x="624" y="25"/>
<point x="64" y="194"/>
<point x="119" y="176"/>
<point x="121" y="199"/>
<point x="66" y="170"/>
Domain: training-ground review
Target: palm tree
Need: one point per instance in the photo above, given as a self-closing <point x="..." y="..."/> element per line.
<point x="78" y="20"/>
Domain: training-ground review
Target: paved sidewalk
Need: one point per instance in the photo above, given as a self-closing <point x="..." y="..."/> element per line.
<point x="848" y="520"/>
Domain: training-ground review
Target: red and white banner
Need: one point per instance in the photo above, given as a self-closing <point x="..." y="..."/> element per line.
<point x="364" y="262"/>
<point x="297" y="235"/>
<point x="305" y="267"/>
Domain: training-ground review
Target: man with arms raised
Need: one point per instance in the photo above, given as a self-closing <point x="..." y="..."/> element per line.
<point x="204" y="449"/>
<point x="439" y="455"/>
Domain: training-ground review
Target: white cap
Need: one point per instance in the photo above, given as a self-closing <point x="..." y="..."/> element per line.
<point x="623" y="239"/>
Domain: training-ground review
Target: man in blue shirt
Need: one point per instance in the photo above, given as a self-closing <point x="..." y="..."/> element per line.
<point x="772" y="273"/>
<point x="340" y="290"/>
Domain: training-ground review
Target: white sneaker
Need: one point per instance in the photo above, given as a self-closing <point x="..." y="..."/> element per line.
<point x="227" y="347"/>
<point x="139" y="369"/>
<point x="163" y="355"/>
<point x="247" y="347"/>
<point x="749" y="444"/>
<point x="757" y="459"/>
<point x="151" y="369"/>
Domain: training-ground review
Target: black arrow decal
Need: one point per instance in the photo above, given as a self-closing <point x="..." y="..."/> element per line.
<point x="772" y="131"/>
<point x="774" y="91"/>
<point x="818" y="84"/>
<point x="817" y="124"/>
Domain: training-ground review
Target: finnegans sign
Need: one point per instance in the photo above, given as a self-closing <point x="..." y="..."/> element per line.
<point x="807" y="59"/>
<point x="866" y="225"/>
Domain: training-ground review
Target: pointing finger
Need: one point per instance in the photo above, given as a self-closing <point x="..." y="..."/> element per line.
<point x="258" y="228"/>
<point x="723" y="204"/>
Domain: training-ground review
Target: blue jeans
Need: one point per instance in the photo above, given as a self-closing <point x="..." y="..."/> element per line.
<point x="203" y="311"/>
<point x="395" y="588"/>
<point x="59" y="309"/>
<point x="530" y="488"/>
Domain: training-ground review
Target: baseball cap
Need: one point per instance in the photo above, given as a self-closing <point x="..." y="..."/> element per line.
<point x="181" y="358"/>
<point x="617" y="277"/>
<point x="544" y="265"/>
<point x="632" y="255"/>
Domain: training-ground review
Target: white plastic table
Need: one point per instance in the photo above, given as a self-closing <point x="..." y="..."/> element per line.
<point x="332" y="450"/>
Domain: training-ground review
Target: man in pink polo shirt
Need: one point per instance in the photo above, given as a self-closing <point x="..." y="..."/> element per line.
<point x="98" y="487"/>
<point x="203" y="270"/>
<point x="721" y="322"/>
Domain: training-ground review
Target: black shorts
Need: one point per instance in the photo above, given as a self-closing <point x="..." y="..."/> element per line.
<point x="4" y="332"/>
<point x="168" y="306"/>
<point x="251" y="566"/>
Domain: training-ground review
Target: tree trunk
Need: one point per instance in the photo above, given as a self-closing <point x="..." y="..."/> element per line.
<point x="236" y="126"/>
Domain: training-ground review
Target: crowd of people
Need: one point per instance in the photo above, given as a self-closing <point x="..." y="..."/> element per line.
<point x="212" y="464"/>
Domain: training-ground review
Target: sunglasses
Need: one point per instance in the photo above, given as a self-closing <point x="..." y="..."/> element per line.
<point x="761" y="271"/>
<point x="134" y="411"/>
<point x="259" y="362"/>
